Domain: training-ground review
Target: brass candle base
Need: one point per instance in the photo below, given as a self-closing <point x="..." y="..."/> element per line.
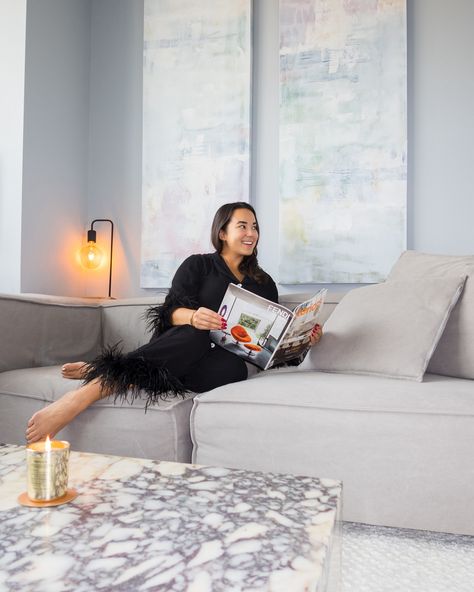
<point x="24" y="500"/>
<point x="47" y="470"/>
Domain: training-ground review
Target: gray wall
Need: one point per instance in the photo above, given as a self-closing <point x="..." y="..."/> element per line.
<point x="440" y="96"/>
<point x="441" y="126"/>
<point x="116" y="135"/>
<point x="55" y="145"/>
<point x="12" y="80"/>
<point x="265" y="138"/>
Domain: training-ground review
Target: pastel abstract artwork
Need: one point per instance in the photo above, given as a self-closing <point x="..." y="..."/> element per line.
<point x="342" y="139"/>
<point x="196" y="125"/>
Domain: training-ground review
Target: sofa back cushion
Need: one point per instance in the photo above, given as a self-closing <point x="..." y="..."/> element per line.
<point x="124" y="321"/>
<point x="39" y="330"/>
<point x="388" y="329"/>
<point x="454" y="355"/>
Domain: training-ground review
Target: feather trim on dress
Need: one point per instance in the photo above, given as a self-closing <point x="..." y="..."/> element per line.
<point x="158" y="318"/>
<point x="127" y="377"/>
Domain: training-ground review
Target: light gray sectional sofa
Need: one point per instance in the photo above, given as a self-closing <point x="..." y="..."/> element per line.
<point x="402" y="448"/>
<point x="39" y="333"/>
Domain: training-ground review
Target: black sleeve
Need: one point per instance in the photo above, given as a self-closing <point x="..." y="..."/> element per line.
<point x="184" y="293"/>
<point x="267" y="289"/>
<point x="272" y="290"/>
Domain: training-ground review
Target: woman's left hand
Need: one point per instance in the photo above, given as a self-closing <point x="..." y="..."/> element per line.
<point x="316" y="334"/>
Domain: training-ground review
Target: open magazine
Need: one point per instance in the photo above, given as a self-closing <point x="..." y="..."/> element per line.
<point x="263" y="332"/>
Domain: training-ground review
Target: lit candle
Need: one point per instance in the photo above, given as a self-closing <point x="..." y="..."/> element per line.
<point x="47" y="469"/>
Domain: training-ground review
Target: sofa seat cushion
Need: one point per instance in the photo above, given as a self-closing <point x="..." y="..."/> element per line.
<point x="285" y="387"/>
<point x="122" y="428"/>
<point x="402" y="449"/>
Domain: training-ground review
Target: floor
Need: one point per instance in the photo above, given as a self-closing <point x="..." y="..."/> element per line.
<point x="381" y="559"/>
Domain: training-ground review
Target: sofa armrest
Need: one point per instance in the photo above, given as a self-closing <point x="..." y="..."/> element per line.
<point x="38" y="330"/>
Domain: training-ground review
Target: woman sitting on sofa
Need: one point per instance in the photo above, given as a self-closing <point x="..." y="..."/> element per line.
<point x="180" y="356"/>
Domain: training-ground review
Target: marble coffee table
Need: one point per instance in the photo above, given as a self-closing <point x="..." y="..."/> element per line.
<point x="148" y="525"/>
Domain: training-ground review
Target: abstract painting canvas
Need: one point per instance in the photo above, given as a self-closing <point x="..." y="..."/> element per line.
<point x="196" y="125"/>
<point x="342" y="139"/>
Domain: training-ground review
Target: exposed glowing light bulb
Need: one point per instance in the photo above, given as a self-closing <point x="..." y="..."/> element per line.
<point x="90" y="255"/>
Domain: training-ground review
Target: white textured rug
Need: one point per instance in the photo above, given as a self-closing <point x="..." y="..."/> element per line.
<point x="380" y="559"/>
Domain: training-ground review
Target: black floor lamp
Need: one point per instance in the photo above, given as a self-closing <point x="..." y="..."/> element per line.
<point x="90" y="254"/>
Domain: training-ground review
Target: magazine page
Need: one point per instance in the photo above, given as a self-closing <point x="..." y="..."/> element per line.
<point x="255" y="325"/>
<point x="297" y="339"/>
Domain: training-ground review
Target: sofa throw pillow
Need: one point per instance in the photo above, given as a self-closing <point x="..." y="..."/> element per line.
<point x="389" y="329"/>
<point x="454" y="355"/>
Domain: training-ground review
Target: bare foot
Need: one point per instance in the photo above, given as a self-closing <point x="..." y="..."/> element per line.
<point x="53" y="418"/>
<point x="73" y="370"/>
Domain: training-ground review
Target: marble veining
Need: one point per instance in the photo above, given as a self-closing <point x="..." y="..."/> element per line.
<point x="139" y="524"/>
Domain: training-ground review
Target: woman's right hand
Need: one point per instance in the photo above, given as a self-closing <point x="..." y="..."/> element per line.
<point x="206" y="319"/>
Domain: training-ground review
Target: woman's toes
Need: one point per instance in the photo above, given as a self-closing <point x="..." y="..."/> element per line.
<point x="30" y="430"/>
<point x="66" y="369"/>
<point x="32" y="421"/>
<point x="31" y="436"/>
<point x="73" y="370"/>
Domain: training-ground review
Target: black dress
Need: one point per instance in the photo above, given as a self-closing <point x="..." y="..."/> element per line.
<point x="179" y="358"/>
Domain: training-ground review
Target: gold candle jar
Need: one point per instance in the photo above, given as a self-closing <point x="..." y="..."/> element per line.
<point x="47" y="470"/>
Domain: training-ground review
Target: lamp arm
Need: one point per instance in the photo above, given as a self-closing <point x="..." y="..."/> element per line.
<point x="111" y="247"/>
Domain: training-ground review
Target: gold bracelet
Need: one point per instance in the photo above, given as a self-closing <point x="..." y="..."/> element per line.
<point x="191" y="319"/>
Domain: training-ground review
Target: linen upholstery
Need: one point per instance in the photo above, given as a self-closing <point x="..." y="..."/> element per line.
<point x="46" y="331"/>
<point x="388" y="329"/>
<point x="454" y="355"/>
<point x="124" y="322"/>
<point x="124" y="429"/>
<point x="39" y="330"/>
<point x="403" y="449"/>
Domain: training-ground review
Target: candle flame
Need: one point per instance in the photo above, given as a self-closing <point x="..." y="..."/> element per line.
<point x="47" y="444"/>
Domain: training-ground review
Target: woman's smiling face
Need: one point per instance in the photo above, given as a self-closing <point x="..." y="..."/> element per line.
<point x="241" y="235"/>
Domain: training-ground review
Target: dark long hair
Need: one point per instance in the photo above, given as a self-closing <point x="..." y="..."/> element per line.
<point x="249" y="265"/>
